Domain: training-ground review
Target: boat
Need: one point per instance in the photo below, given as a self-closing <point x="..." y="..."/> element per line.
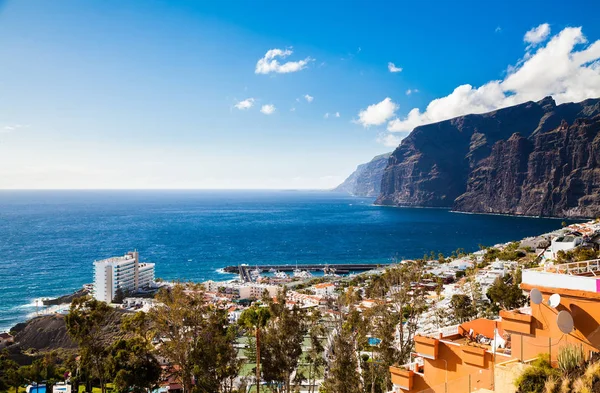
<point x="272" y="270"/>
<point x="281" y="275"/>
<point x="329" y="272"/>
<point x="298" y="273"/>
<point x="256" y="272"/>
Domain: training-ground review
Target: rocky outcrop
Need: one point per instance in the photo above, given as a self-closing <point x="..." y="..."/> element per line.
<point x="66" y="299"/>
<point x="536" y="158"/>
<point x="365" y="181"/>
<point x="43" y="333"/>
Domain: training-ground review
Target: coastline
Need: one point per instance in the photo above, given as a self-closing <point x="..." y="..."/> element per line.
<point x="449" y="209"/>
<point x="191" y="235"/>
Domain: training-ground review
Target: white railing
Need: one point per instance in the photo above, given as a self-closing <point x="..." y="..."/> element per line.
<point x="449" y="331"/>
<point x="575" y="268"/>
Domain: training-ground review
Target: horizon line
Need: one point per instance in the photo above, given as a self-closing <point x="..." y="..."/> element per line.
<point x="167" y="189"/>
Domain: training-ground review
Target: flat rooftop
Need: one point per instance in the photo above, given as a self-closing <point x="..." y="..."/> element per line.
<point x="124" y="258"/>
<point x="579" y="276"/>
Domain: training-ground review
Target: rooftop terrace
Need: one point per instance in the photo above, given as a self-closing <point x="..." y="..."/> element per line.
<point x="124" y="258"/>
<point x="578" y="276"/>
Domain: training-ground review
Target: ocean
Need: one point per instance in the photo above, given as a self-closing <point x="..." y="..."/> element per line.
<point x="49" y="239"/>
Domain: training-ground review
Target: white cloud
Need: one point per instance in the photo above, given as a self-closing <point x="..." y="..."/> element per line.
<point x="390" y="140"/>
<point x="337" y="114"/>
<point x="269" y="63"/>
<point x="392" y="67"/>
<point x="537" y="34"/>
<point x="411" y="91"/>
<point x="377" y="114"/>
<point x="12" y="128"/>
<point x="556" y="69"/>
<point x="245" y="104"/>
<point x="292" y="109"/>
<point x="268" y="109"/>
<point x="326" y="116"/>
<point x="309" y="98"/>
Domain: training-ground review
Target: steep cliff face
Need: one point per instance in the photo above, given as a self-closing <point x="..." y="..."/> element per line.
<point x="365" y="181"/>
<point x="536" y="158"/>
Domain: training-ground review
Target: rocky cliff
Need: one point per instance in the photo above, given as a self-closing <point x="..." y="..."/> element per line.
<point x="536" y="158"/>
<point x="365" y="181"/>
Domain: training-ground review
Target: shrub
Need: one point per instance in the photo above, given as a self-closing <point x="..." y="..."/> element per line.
<point x="570" y="358"/>
<point x="535" y="378"/>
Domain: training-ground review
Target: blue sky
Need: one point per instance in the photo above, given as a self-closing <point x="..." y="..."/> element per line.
<point x="143" y="94"/>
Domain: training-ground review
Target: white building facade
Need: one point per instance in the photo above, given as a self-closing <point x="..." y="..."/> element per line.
<point x="325" y="289"/>
<point x="125" y="273"/>
<point x="241" y="291"/>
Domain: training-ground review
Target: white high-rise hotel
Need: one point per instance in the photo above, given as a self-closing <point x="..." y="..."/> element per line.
<point x="125" y="273"/>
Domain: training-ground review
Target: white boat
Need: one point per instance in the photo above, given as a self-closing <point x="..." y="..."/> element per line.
<point x="281" y="275"/>
<point x="256" y="272"/>
<point x="302" y="273"/>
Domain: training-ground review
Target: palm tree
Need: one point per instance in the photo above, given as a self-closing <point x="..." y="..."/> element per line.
<point x="256" y="318"/>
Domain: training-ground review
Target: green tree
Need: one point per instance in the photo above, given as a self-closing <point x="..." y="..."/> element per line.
<point x="10" y="374"/>
<point x="462" y="308"/>
<point x="406" y="300"/>
<point x="179" y="321"/>
<point x="314" y="356"/>
<point x="256" y="318"/>
<point x="50" y="371"/>
<point x="472" y="288"/>
<point x="133" y="367"/>
<point x="506" y="293"/>
<point x="119" y="296"/>
<point x="87" y="323"/>
<point x="250" y="350"/>
<point x="14" y="376"/>
<point x="214" y="356"/>
<point x="384" y="325"/>
<point x="343" y="375"/>
<point x="282" y="345"/>
<point x="140" y="325"/>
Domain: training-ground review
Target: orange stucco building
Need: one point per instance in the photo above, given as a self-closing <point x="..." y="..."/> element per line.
<point x="468" y="357"/>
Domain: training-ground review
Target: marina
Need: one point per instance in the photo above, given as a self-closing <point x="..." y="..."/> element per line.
<point x="249" y="273"/>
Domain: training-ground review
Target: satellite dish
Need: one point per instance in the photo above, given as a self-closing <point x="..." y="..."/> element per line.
<point x="554" y="300"/>
<point x="565" y="323"/>
<point x="536" y="296"/>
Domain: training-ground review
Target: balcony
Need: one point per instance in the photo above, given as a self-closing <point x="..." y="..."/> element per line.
<point x="517" y="322"/>
<point x="474" y="355"/>
<point x="402" y="377"/>
<point x="427" y="347"/>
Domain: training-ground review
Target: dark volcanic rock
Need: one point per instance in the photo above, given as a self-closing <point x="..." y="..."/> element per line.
<point x="532" y="159"/>
<point x="43" y="334"/>
<point x="49" y="332"/>
<point x="66" y="298"/>
<point x="365" y="181"/>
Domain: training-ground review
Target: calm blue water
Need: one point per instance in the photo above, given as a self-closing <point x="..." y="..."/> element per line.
<point x="49" y="239"/>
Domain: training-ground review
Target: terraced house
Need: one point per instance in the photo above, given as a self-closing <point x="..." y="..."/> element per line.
<point x="488" y="354"/>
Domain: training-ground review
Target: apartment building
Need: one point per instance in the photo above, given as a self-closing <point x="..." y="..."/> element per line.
<point x="241" y="291"/>
<point x="124" y="273"/>
<point x="483" y="353"/>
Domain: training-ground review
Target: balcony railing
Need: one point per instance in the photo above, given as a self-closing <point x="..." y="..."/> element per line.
<point x="574" y="268"/>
